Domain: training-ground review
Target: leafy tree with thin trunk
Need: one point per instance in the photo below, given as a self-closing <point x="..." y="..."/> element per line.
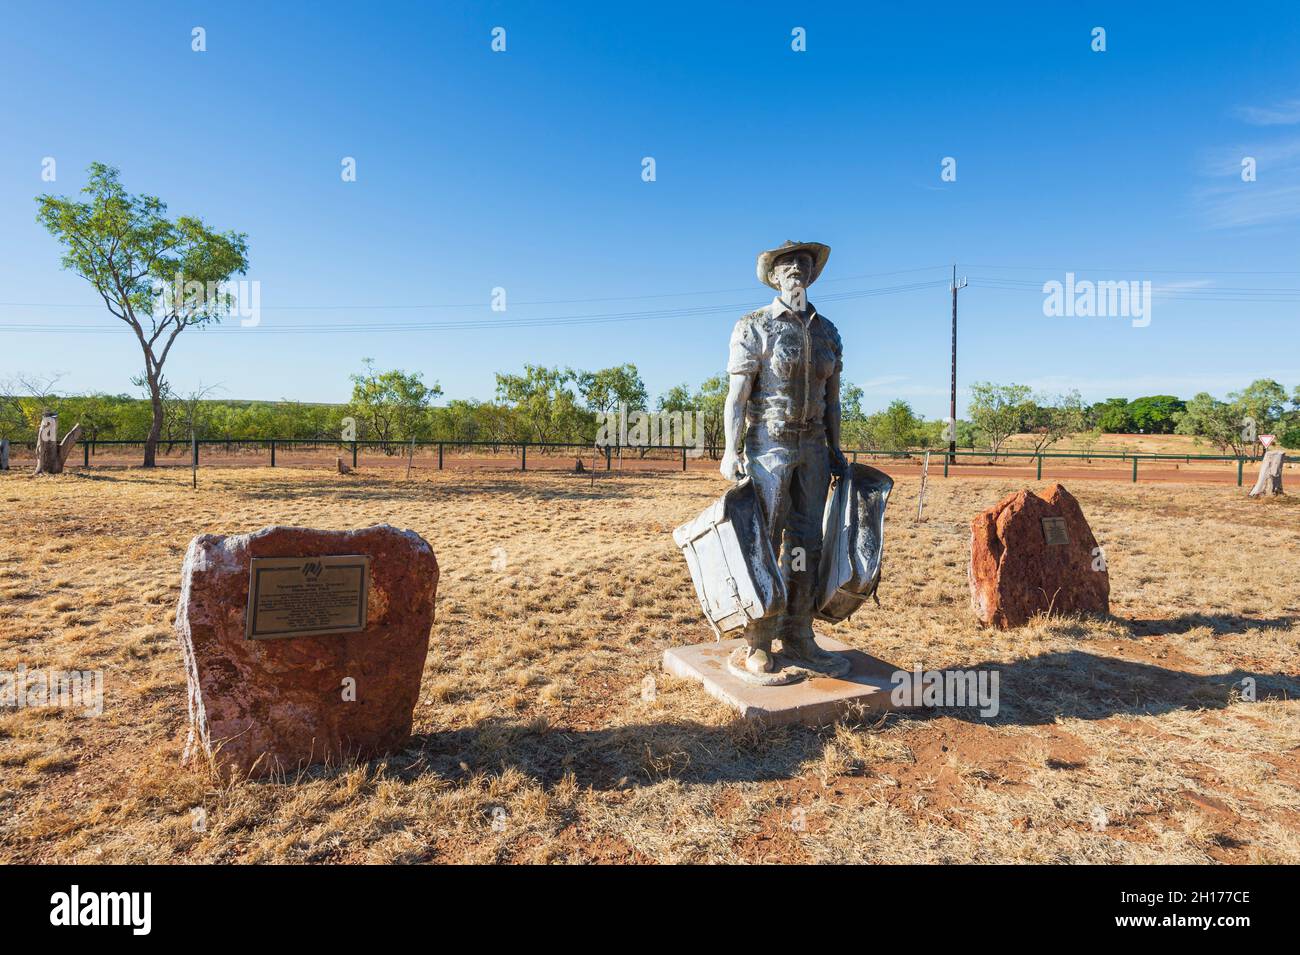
<point x="157" y="275"/>
<point x="999" y="411"/>
<point x="544" y="403"/>
<point x="1219" y="421"/>
<point x="897" y="428"/>
<point x="603" y="391"/>
<point x="1049" y="419"/>
<point x="711" y="398"/>
<point x="393" y="404"/>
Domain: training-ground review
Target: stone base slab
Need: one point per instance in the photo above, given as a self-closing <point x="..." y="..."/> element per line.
<point x="812" y="702"/>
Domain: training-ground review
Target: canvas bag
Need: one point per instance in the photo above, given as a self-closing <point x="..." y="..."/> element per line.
<point x="733" y="566"/>
<point x="853" y="535"/>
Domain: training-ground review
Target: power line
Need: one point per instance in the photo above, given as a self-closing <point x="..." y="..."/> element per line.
<point x="1204" y="295"/>
<point x="1076" y="268"/>
<point x="556" y="301"/>
<point x="498" y="323"/>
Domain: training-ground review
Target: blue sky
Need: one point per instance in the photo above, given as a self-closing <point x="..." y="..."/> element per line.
<point x="522" y="170"/>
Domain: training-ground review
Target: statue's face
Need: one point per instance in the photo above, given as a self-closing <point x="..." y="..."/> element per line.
<point x="791" y="274"/>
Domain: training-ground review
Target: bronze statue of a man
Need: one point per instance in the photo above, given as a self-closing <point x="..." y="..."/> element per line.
<point x="782" y="422"/>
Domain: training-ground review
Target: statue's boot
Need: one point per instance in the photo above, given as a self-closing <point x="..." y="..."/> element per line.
<point x="802" y="650"/>
<point x="758" y="661"/>
<point x="759" y="635"/>
<point x="797" y="642"/>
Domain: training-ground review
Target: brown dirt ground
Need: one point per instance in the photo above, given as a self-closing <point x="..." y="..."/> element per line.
<point x="1124" y="739"/>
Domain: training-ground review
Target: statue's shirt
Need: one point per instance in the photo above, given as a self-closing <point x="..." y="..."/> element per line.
<point x="790" y="359"/>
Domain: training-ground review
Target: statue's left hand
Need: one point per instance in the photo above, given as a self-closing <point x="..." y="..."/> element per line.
<point x="839" y="464"/>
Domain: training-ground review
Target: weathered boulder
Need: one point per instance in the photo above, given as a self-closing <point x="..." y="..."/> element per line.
<point x="266" y="706"/>
<point x="1020" y="565"/>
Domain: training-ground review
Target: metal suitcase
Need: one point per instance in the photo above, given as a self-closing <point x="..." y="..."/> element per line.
<point x="853" y="529"/>
<point x="733" y="566"/>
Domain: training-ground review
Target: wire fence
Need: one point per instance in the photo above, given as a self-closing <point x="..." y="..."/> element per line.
<point x="572" y="456"/>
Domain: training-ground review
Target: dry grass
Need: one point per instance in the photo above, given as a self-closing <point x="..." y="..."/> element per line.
<point x="1123" y="740"/>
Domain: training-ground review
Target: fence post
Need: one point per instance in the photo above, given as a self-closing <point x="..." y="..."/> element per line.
<point x="1040" y="467"/>
<point x="85" y="454"/>
<point x="946" y="457"/>
<point x="273" y="452"/>
<point x="1240" y="464"/>
<point x="609" y="456"/>
<point x="439" y="455"/>
<point x="354" y="455"/>
<point x="523" y="456"/>
<point x="1135" y="469"/>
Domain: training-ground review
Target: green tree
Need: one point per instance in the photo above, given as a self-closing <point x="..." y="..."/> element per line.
<point x="1111" y="416"/>
<point x="1218" y="421"/>
<point x="711" y="399"/>
<point x="392" y="404"/>
<point x="128" y="249"/>
<point x="26" y="398"/>
<point x="1155" y="414"/>
<point x="853" y="431"/>
<point x="544" y="402"/>
<point x="676" y="398"/>
<point x="897" y="428"/>
<point x="998" y="411"/>
<point x="1049" y="419"/>
<point x="603" y="391"/>
<point x="1263" y="400"/>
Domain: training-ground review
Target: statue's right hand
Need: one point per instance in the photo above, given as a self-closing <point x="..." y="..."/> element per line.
<point x="732" y="469"/>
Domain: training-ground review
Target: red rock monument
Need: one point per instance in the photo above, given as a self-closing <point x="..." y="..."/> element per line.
<point x="323" y="662"/>
<point x="1032" y="554"/>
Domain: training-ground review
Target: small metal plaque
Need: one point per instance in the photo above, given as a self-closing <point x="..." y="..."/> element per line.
<point x="306" y="596"/>
<point x="1054" y="531"/>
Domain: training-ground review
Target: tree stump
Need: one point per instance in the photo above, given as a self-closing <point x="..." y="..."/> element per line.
<point x="66" y="445"/>
<point x="1270" y="475"/>
<point x="47" y="445"/>
<point x="51" y="453"/>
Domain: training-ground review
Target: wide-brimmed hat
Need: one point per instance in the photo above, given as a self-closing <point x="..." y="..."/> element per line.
<point x="819" y="253"/>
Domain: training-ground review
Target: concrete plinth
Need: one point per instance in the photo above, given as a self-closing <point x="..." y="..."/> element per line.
<point x="813" y="702"/>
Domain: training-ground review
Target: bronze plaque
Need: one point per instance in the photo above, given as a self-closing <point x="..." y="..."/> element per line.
<point x="1054" y="531"/>
<point x="306" y="596"/>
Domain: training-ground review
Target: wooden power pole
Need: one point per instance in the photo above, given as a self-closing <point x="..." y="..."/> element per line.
<point x="952" y="399"/>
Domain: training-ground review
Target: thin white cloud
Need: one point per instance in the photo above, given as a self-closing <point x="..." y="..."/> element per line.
<point x="1268" y="156"/>
<point x="1272" y="197"/>
<point x="1283" y="114"/>
<point x="1247" y="204"/>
